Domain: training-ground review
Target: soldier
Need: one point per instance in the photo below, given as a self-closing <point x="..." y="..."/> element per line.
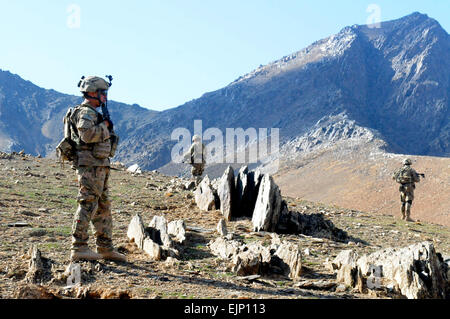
<point x="196" y="157"/>
<point x="407" y="177"/>
<point x="92" y="136"/>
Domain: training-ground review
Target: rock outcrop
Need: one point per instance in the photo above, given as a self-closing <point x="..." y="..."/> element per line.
<point x="204" y="195"/>
<point x="159" y="239"/>
<point x="268" y="205"/>
<point x="226" y="193"/>
<point x="415" y="272"/>
<point x="281" y="257"/>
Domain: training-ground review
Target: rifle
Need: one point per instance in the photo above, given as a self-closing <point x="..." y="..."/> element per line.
<point x="107" y="117"/>
<point x="421" y="174"/>
<point x="105" y="111"/>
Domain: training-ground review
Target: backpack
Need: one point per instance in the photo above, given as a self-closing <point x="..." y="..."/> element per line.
<point x="404" y="176"/>
<point x="66" y="149"/>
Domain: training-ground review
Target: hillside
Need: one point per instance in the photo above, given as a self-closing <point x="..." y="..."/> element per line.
<point x="391" y="80"/>
<point x="362" y="181"/>
<point x="38" y="202"/>
<point x="31" y="117"/>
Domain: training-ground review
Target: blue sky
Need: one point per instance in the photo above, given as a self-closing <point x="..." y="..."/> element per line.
<point x="165" y="53"/>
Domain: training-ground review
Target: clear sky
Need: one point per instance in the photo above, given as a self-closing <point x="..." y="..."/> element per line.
<point x="165" y="53"/>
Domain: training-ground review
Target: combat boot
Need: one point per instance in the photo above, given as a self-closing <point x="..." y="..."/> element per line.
<point x="409" y="219"/>
<point x="84" y="254"/>
<point x="111" y="254"/>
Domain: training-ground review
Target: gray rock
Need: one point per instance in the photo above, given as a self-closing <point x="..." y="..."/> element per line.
<point x="290" y="254"/>
<point x="224" y="248"/>
<point x="152" y="249"/>
<point x="255" y="259"/>
<point x="155" y="240"/>
<point x="415" y="272"/>
<point x="222" y="227"/>
<point x="268" y="206"/>
<point x="160" y="224"/>
<point x="177" y="228"/>
<point x="204" y="195"/>
<point x="136" y="231"/>
<point x="246" y="263"/>
<point x="226" y="193"/>
<point x="35" y="266"/>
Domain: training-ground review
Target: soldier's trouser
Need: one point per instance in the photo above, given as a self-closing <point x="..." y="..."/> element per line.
<point x="93" y="206"/>
<point x="406" y="197"/>
<point x="197" y="171"/>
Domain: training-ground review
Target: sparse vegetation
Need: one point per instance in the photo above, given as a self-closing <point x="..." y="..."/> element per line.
<point x="48" y="213"/>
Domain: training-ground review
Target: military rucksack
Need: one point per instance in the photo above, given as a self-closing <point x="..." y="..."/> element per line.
<point x="404" y="176"/>
<point x="66" y="149"/>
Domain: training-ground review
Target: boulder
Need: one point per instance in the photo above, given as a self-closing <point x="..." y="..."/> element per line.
<point x="268" y="206"/>
<point x="226" y="193"/>
<point x="136" y="231"/>
<point x="135" y="169"/>
<point x="247" y="263"/>
<point x="204" y="195"/>
<point x="152" y="249"/>
<point x="291" y="258"/>
<point x="224" y="248"/>
<point x="161" y="235"/>
<point x="155" y="239"/>
<point x="280" y="257"/>
<point x="416" y="271"/>
<point x="177" y="229"/>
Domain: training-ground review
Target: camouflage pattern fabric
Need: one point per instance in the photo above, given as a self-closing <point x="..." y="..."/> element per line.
<point x="407" y="192"/>
<point x="92" y="164"/>
<point x="197" y="169"/>
<point x="407" y="177"/>
<point x="93" y="206"/>
<point x="91" y="130"/>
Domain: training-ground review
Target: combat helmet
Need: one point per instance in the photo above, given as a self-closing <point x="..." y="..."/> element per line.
<point x="407" y="161"/>
<point x="196" y="138"/>
<point x="93" y="84"/>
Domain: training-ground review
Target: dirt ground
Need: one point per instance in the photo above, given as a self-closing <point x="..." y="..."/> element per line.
<point x="37" y="203"/>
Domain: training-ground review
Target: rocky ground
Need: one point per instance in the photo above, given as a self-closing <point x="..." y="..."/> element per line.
<point x="37" y="202"/>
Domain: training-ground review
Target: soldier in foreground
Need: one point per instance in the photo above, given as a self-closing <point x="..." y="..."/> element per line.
<point x="406" y="176"/>
<point x="196" y="157"/>
<point x="93" y="136"/>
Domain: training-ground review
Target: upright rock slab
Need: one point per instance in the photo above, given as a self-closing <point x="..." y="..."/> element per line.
<point x="268" y="206"/>
<point x="226" y="193"/>
<point x="204" y="195"/>
<point x="136" y="231"/>
<point x="155" y="239"/>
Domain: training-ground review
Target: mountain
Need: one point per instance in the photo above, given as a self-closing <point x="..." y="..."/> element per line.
<point x="31" y="117"/>
<point x="392" y="81"/>
<point x="389" y="84"/>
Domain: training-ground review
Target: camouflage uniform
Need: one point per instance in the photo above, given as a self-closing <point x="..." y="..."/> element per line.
<point x="196" y="157"/>
<point x="93" y="174"/>
<point x="407" y="177"/>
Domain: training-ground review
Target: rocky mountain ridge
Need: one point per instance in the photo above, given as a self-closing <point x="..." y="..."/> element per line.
<point x="391" y="80"/>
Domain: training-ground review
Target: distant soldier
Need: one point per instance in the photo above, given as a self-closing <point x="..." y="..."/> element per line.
<point x="92" y="136"/>
<point x="196" y="157"/>
<point x="406" y="176"/>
